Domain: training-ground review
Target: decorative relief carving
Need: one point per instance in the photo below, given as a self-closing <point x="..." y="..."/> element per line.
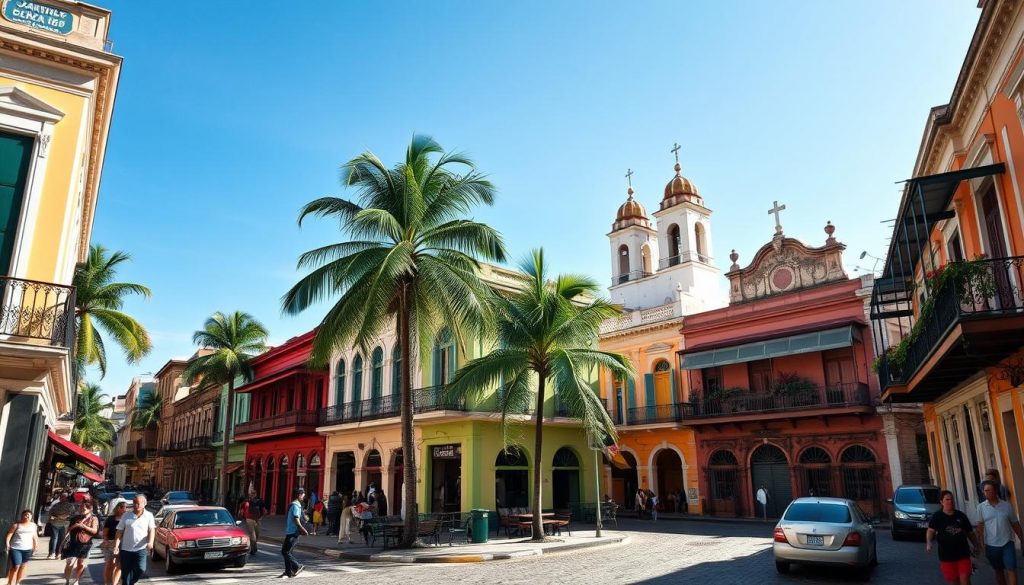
<point x="787" y="264"/>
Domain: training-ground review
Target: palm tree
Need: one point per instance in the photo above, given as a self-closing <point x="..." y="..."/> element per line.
<point x="411" y="261"/>
<point x="235" y="339"/>
<point x="546" y="333"/>
<point x="146" y="415"/>
<point x="98" y="306"/>
<point x="92" y="430"/>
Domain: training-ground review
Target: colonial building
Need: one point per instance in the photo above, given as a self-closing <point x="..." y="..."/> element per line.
<point x="138" y="448"/>
<point x="660" y="274"/>
<point x="168" y="387"/>
<point x="190" y="446"/>
<point x="282" y="446"/>
<point x="236" y="449"/>
<point x="947" y="309"/>
<point x="781" y="391"/>
<point x="58" y="79"/>
<point x="460" y="460"/>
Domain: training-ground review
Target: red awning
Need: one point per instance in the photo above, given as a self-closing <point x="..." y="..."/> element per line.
<point x="73" y="450"/>
<point x="93" y="476"/>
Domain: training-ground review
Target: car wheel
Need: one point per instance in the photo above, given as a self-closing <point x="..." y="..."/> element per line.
<point x="239" y="562"/>
<point x="782" y="567"/>
<point x="170" y="567"/>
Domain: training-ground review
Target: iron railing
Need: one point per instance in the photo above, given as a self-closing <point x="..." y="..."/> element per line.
<point x="684" y="257"/>
<point x="37" y="311"/>
<point x="833" y="396"/>
<point x="993" y="290"/>
<point x="294" y="418"/>
<point x="658" y="413"/>
<point x="628" y="276"/>
<point x="429" y="399"/>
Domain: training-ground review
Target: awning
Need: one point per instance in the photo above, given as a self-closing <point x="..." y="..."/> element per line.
<point x="233" y="467"/>
<point x="95" y="477"/>
<point x="75" y="452"/>
<point x="833" y="338"/>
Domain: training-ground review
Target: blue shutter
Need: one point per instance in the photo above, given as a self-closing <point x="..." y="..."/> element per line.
<point x="630" y="398"/>
<point x="675" y="393"/>
<point x="649" y="399"/>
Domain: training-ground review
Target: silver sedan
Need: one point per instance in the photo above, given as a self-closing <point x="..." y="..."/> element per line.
<point x="825" y="531"/>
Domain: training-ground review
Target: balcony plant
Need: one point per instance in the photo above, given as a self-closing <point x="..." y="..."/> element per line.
<point x="794" y="387"/>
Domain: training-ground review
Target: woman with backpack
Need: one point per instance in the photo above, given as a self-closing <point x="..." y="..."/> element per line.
<point x="78" y="543"/>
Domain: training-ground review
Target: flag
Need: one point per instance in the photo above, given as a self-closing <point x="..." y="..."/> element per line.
<point x="612" y="452"/>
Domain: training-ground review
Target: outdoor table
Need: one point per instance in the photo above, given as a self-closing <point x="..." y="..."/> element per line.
<point x="525" y="518"/>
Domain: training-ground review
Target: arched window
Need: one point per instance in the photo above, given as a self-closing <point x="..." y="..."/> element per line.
<point x="675" y="246"/>
<point x="662" y="366"/>
<point x="339" y="383"/>
<point x="623" y="263"/>
<point x="860" y="477"/>
<point x="645" y="259"/>
<point x="444" y="357"/>
<point x="377" y="376"/>
<point x="565" y="478"/>
<point x="511" y="478"/>
<point x="723" y="480"/>
<point x="357" y="379"/>
<point x="396" y="370"/>
<point x="565" y="457"/>
<point x="702" y="249"/>
<point x="816" y="472"/>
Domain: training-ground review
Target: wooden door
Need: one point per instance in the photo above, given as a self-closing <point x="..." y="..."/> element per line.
<point x="15" y="153"/>
<point x="997" y="246"/>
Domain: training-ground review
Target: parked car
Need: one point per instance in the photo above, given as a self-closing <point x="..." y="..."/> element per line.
<point x="912" y="508"/>
<point x="200" y="535"/>
<point x="825" y="531"/>
<point x="179" y="497"/>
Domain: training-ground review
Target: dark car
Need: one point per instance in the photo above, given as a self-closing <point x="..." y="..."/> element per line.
<point x="912" y="508"/>
<point x="200" y="535"/>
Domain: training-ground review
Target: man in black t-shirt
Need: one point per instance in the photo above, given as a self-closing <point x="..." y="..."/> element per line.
<point x="955" y="535"/>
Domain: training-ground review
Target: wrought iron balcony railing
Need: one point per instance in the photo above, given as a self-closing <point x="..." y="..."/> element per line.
<point x="288" y="420"/>
<point x="658" y="413"/>
<point x="430" y="399"/>
<point x="37" y="312"/>
<point x="835" y="396"/>
<point x="628" y="276"/>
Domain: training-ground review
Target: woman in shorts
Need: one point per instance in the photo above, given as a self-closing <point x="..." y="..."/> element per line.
<point x="76" y="552"/>
<point x="22" y="538"/>
<point x="955" y="535"/>
<point x="111" y="570"/>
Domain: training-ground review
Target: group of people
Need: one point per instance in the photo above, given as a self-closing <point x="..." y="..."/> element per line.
<point x="127" y="538"/>
<point x="959" y="542"/>
<point x="646" y="503"/>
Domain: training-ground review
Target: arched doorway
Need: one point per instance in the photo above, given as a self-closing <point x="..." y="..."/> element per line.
<point x="645" y="260"/>
<point x="313" y="474"/>
<point x="815" y="472"/>
<point x="698" y="236"/>
<point x="371" y="471"/>
<point x="669" y="468"/>
<point x="282" y="485"/>
<point x="397" y="480"/>
<point x="344" y="472"/>
<point x="565" y="479"/>
<point x="300" y="475"/>
<point x="256" y="478"/>
<point x="625" y="483"/>
<point x="769" y="468"/>
<point x="512" y="479"/>
<point x="663" y="386"/>
<point x="675" y="248"/>
<point x="623" y="263"/>
<point x="723" y="473"/>
<point x="859" y="470"/>
<point x="268" y="484"/>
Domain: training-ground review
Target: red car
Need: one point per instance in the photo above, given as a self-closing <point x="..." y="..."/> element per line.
<point x="200" y="535"/>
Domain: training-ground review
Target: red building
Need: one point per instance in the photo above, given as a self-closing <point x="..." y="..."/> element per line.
<point x="283" y="450"/>
<point x="781" y="390"/>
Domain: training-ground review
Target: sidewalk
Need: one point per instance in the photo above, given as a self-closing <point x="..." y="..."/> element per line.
<point x="272" y="531"/>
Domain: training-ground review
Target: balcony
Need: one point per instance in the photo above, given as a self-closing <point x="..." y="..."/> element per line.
<point x="681" y="258"/>
<point x="296" y="421"/>
<point x="37" y="313"/>
<point x="854" y="397"/>
<point x="628" y="276"/>
<point x="139" y="450"/>
<point x="630" y="319"/>
<point x="657" y="414"/>
<point x="430" y="399"/>
<point x="973" y="319"/>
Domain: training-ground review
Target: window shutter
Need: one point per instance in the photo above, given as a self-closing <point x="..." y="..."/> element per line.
<point x="649" y="399"/>
<point x="675" y="397"/>
<point x="630" y="397"/>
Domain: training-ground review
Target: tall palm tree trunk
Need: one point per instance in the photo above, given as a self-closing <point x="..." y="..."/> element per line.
<point x="410" y="521"/>
<point x="229" y="417"/>
<point x="538" y="459"/>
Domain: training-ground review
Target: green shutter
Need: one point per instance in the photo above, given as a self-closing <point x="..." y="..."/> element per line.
<point x="630" y="397"/>
<point x="15" y="154"/>
<point x="675" y="393"/>
<point x="451" y="362"/>
<point x="436" y="375"/>
<point x="649" y="398"/>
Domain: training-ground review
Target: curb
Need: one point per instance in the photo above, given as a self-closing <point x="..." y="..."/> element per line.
<point x="462" y="558"/>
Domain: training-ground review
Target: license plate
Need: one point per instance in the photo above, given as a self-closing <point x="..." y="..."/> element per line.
<point x="922" y="525"/>
<point x="213" y="555"/>
<point x="816" y="540"/>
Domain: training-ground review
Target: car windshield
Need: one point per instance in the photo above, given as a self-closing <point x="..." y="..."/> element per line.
<point x="818" y="512"/>
<point x="178" y="496"/>
<point x="917" y="496"/>
<point x="127" y="495"/>
<point x="191" y="518"/>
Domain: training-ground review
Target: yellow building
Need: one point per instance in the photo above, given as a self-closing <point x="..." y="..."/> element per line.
<point x="660" y="272"/>
<point x="58" y="79"/>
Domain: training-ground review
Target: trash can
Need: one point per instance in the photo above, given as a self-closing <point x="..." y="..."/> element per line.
<point x="480" y="525"/>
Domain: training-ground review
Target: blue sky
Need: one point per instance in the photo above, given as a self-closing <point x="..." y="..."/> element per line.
<point x="231" y="115"/>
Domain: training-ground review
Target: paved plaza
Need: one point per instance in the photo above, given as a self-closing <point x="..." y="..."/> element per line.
<point x="666" y="552"/>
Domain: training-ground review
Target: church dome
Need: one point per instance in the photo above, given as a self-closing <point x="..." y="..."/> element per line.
<point x="631" y="213"/>
<point x="680" y="189"/>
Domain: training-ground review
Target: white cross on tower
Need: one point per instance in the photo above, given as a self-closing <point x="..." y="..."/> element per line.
<point x="775" y="210"/>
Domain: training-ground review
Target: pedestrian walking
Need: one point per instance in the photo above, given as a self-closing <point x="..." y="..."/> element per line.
<point x="334" y="508"/>
<point x="79" y="542"/>
<point x="133" y="541"/>
<point x="22" y="540"/>
<point x="251" y="511"/>
<point x="641" y="502"/>
<point x="952" y="529"/>
<point x="111" y="568"/>
<point x="319" y="511"/>
<point x="997" y="525"/>
<point x="652" y="504"/>
<point x="293" y="528"/>
<point x="59" y="517"/>
<point x="992" y="474"/>
<point x="382" y="503"/>
<point x="345" y="526"/>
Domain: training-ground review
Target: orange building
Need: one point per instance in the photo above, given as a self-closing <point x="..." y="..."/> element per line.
<point x="948" y="309"/>
<point x="782" y="395"/>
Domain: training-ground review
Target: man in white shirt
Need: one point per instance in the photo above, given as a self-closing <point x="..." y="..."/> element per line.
<point x="134" y="541"/>
<point x="996" y="526"/>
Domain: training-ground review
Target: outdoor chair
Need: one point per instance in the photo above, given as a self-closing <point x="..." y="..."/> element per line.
<point x="609" y="513"/>
<point x="563" y="519"/>
<point x="458" y="530"/>
<point x="429" y="531"/>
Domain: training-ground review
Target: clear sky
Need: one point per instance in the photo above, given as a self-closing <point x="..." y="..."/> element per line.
<point x="230" y="115"/>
